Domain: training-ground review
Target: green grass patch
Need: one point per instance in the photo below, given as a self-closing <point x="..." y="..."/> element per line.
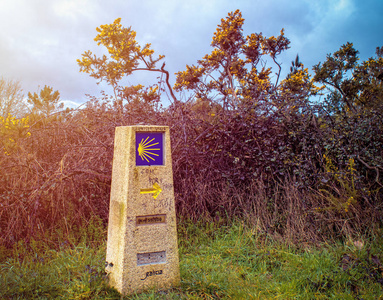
<point x="217" y="261"/>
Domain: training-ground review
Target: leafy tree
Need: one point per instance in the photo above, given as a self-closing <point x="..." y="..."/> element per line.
<point x="296" y="65"/>
<point x="124" y="57"/>
<point x="368" y="77"/>
<point x="235" y="120"/>
<point x="296" y="89"/>
<point x="11" y="98"/>
<point x="353" y="87"/>
<point x="14" y="125"/>
<point x="46" y="102"/>
<point x="231" y="73"/>
<point x="352" y="111"/>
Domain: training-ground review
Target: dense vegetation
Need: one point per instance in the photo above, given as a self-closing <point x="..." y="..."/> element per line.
<point x="245" y="143"/>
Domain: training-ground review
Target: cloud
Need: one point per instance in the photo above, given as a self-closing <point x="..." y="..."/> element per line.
<point x="43" y="42"/>
<point x="333" y="23"/>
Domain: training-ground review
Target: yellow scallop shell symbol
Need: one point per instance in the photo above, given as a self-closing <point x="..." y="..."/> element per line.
<point x="145" y="149"/>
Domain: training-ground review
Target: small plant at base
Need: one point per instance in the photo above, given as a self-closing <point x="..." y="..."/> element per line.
<point x="342" y="194"/>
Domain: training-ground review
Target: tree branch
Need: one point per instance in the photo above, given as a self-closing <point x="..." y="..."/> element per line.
<point x="342" y="93"/>
<point x="162" y="70"/>
<point x="279" y="72"/>
<point x="371" y="168"/>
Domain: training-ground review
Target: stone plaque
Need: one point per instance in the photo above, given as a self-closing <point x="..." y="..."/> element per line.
<point x="153" y="219"/>
<point x="151" y="258"/>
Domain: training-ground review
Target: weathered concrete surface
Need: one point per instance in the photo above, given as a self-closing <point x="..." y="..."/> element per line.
<point x="142" y="249"/>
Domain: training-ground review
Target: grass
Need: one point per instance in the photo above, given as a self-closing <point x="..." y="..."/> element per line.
<point x="217" y="262"/>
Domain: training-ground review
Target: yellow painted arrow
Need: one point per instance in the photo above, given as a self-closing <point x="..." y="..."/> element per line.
<point x="156" y="190"/>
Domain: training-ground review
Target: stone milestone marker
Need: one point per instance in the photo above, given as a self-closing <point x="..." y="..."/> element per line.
<point x="142" y="249"/>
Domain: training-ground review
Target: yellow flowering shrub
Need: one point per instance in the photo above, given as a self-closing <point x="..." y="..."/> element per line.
<point x="299" y="82"/>
<point x="343" y="195"/>
<point x="11" y="131"/>
<point x="234" y="74"/>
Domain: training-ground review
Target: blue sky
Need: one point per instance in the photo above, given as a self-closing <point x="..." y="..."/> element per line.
<point x="40" y="40"/>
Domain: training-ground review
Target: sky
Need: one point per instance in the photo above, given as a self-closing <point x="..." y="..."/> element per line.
<point x="40" y="40"/>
